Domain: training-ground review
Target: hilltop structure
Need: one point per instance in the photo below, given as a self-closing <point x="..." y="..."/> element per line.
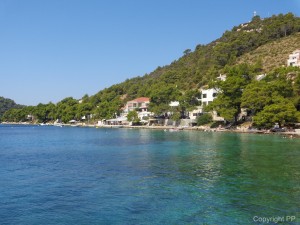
<point x="294" y="58"/>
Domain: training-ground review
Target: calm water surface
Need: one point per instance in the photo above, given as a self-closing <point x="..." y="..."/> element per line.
<point x="53" y="175"/>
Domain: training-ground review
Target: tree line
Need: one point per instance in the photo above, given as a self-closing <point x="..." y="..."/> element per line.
<point x="274" y="99"/>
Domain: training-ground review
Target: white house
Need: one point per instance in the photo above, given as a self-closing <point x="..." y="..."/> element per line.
<point x="30" y="117"/>
<point x="208" y="95"/>
<point x="294" y="58"/>
<point x="195" y="113"/>
<point x="172" y="104"/>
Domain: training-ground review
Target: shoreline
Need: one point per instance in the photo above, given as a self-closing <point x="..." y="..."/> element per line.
<point x="206" y="129"/>
<point x="291" y="134"/>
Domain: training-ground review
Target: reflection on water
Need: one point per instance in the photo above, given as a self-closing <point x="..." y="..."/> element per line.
<point x="119" y="176"/>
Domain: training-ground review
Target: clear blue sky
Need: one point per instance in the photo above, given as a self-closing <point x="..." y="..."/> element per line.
<point x="52" y="49"/>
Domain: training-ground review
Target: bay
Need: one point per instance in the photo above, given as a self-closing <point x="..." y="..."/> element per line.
<point x="54" y="175"/>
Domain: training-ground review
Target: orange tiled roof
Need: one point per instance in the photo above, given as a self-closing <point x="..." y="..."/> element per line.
<point x="141" y="99"/>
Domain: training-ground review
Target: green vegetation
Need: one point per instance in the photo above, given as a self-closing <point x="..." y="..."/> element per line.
<point x="228" y="101"/>
<point x="132" y="116"/>
<point x="274" y="99"/>
<point x="259" y="46"/>
<point x="176" y="116"/>
<point x="7" y="104"/>
<point x="206" y="118"/>
<point x="281" y="111"/>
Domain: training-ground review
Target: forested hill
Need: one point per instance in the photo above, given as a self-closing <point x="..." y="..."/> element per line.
<point x="253" y="44"/>
<point x="6" y="104"/>
<point x="196" y="68"/>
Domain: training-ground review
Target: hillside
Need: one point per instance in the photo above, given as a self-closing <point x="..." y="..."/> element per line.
<point x="7" y="104"/>
<point x="197" y="68"/>
<point x="272" y="54"/>
<point x="263" y="44"/>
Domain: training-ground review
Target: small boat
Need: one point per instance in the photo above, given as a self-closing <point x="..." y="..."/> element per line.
<point x="44" y="124"/>
<point x="58" y="124"/>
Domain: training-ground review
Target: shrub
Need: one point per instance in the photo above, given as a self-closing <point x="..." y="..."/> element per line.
<point x="204" y="119"/>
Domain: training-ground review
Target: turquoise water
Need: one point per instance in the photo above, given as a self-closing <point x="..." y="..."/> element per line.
<point x="53" y="175"/>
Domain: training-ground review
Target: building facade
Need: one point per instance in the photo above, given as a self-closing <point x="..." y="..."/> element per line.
<point x="294" y="58"/>
<point x="208" y="96"/>
<point x="139" y="104"/>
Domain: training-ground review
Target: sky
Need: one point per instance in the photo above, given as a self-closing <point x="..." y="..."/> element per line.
<point x="53" y="49"/>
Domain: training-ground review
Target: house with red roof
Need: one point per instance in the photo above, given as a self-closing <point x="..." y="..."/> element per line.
<point x="139" y="104"/>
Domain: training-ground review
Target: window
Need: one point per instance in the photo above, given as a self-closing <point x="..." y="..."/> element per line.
<point x="215" y="94"/>
<point x="204" y="96"/>
<point x="197" y="114"/>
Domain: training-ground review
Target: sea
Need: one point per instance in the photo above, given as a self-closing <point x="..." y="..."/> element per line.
<point x="75" y="175"/>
